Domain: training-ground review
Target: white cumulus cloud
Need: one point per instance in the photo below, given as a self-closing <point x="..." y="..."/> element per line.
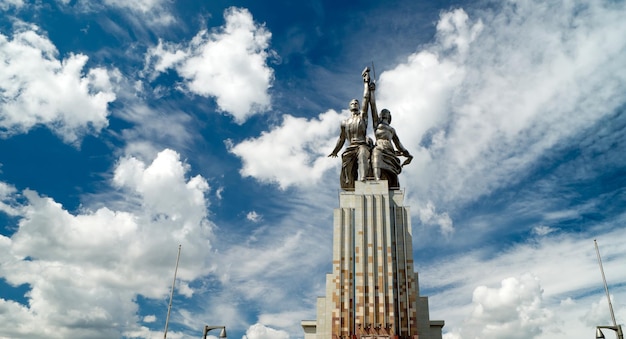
<point x="85" y="270"/>
<point x="228" y="64"/>
<point x="513" y="310"/>
<point x="37" y="88"/>
<point x="259" y="331"/>
<point x="293" y="153"/>
<point x="491" y="295"/>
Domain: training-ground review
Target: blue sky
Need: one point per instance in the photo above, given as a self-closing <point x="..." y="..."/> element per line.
<point x="128" y="128"/>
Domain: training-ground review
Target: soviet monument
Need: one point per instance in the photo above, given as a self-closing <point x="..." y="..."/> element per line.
<point x="373" y="291"/>
<point x="362" y="158"/>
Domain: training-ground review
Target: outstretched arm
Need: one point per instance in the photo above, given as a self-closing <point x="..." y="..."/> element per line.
<point x="396" y="141"/>
<point x="340" y="142"/>
<point x="401" y="150"/>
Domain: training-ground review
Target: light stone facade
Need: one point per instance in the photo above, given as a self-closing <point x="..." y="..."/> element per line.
<point x="373" y="291"/>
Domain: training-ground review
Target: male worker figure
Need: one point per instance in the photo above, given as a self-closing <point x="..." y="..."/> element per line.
<point x="355" y="159"/>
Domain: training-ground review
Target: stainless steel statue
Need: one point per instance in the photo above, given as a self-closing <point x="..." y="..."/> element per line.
<point x="385" y="161"/>
<point x="362" y="159"/>
<point x="355" y="159"/>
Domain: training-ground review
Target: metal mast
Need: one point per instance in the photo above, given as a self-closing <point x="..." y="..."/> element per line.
<point x="606" y="287"/>
<point x="169" y="308"/>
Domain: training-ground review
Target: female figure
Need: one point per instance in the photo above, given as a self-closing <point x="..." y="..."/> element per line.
<point x="384" y="158"/>
<point x="385" y="161"/>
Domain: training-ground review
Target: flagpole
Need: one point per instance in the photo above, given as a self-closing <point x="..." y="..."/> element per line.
<point x="606" y="287"/>
<point x="169" y="308"/>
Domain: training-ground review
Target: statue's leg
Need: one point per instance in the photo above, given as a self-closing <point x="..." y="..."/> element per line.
<point x="349" y="167"/>
<point x="363" y="162"/>
<point x="375" y="163"/>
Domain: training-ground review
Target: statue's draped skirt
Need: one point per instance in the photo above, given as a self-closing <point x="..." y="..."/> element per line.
<point x="350" y="162"/>
<point x="384" y="157"/>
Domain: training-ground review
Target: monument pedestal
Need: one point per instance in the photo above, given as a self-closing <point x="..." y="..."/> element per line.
<point x="373" y="290"/>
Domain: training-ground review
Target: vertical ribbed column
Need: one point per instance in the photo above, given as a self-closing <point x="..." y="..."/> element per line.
<point x="370" y="253"/>
<point x="379" y="269"/>
<point x="343" y="273"/>
<point x="412" y="285"/>
<point x="400" y="322"/>
<point x="347" y="272"/>
<point x="389" y="268"/>
<point x="406" y="284"/>
<point x="384" y="288"/>
<point x="338" y="271"/>
<point x="360" y="259"/>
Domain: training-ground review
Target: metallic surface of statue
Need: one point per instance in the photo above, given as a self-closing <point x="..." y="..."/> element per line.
<point x="355" y="159"/>
<point x="385" y="161"/>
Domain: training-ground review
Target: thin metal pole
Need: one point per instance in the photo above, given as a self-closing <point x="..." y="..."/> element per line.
<point x="606" y="287"/>
<point x="169" y="308"/>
